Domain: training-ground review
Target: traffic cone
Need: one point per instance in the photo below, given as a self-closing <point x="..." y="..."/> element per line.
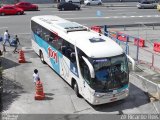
<point x="39" y="91"/>
<point x="21" y="57"/>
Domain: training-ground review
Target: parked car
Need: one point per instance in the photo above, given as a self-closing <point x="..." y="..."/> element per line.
<point x="73" y="1"/>
<point x="68" y="6"/>
<point x="158" y="6"/>
<point x="147" y="4"/>
<point x="10" y="10"/>
<point x="26" y="6"/>
<point x="92" y="2"/>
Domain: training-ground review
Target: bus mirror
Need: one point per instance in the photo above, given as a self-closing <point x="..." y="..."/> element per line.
<point x="132" y="62"/>
<point x="91" y="69"/>
<point x="73" y="56"/>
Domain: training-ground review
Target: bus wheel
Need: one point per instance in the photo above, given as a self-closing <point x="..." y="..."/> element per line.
<point x="75" y="87"/>
<point x="42" y="57"/>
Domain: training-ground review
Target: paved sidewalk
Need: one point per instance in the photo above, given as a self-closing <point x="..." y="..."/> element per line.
<point x="142" y="71"/>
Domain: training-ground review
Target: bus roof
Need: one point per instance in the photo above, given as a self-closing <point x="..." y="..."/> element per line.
<point x="93" y="44"/>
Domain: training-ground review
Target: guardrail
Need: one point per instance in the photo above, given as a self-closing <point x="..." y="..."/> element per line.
<point x="132" y="46"/>
<point x="124" y="26"/>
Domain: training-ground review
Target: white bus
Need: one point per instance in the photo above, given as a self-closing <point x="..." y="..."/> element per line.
<point x="94" y="65"/>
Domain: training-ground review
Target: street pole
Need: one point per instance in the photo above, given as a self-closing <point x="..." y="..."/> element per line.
<point x="138" y="45"/>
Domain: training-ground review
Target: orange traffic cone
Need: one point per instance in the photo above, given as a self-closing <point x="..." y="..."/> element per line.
<point x="21" y="57"/>
<point x="39" y="91"/>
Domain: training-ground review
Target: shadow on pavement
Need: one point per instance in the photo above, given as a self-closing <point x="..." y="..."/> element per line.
<point x="136" y="98"/>
<point x="47" y="96"/>
<point x="6" y="63"/>
<point x="11" y="91"/>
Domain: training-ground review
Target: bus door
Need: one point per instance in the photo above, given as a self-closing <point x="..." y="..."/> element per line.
<point x="85" y="67"/>
<point x="64" y="69"/>
<point x="68" y="62"/>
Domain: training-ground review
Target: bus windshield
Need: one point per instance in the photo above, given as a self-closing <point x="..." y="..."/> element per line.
<point x="110" y="73"/>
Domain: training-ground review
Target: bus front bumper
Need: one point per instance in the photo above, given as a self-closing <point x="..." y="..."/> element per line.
<point x="102" y="98"/>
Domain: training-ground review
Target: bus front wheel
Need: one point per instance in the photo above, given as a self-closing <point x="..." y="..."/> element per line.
<point x="75" y="87"/>
<point x="42" y="57"/>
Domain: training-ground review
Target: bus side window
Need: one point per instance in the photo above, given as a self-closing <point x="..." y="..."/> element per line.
<point x="38" y="32"/>
<point x="63" y="49"/>
<point x="85" y="71"/>
<point x="50" y="39"/>
<point x="83" y="66"/>
<point x="73" y="57"/>
<point x="46" y="37"/>
<point x="68" y="52"/>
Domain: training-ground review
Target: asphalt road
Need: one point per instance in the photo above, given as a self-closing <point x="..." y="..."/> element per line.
<point x="89" y="16"/>
<point x="60" y="98"/>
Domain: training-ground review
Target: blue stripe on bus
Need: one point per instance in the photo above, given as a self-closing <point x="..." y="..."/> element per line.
<point x="43" y="44"/>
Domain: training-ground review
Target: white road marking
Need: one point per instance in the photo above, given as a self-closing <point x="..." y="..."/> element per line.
<point x="115" y="17"/>
<point x="3" y="17"/>
<point x="148" y="16"/>
<point x="64" y="14"/>
<point x="126" y="13"/>
<point x="116" y="10"/>
<point x="124" y="16"/>
<point x="23" y="33"/>
<point x="85" y="18"/>
<point x="3" y="27"/>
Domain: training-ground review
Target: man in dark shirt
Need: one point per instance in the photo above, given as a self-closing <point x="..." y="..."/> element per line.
<point x="16" y="41"/>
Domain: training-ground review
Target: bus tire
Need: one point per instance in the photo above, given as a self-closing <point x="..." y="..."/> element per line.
<point x="75" y="87"/>
<point x="42" y="57"/>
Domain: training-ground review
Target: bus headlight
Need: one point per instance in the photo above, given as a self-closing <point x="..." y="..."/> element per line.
<point x="98" y="95"/>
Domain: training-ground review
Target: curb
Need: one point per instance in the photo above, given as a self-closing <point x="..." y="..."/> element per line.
<point x="155" y="101"/>
<point x="152" y="99"/>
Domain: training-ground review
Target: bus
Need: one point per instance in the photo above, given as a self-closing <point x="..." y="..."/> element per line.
<point x="94" y="65"/>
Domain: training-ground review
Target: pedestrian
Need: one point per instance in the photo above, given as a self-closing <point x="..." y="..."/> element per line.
<point x="35" y="76"/>
<point x="6" y="38"/>
<point x="16" y="41"/>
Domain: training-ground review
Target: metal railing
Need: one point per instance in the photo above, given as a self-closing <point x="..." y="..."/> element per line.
<point x="140" y="54"/>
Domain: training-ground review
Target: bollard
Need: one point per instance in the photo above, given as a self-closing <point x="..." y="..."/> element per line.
<point x="106" y="33"/>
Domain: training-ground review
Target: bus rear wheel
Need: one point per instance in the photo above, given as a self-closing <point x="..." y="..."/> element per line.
<point x="42" y="57"/>
<point x="75" y="87"/>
